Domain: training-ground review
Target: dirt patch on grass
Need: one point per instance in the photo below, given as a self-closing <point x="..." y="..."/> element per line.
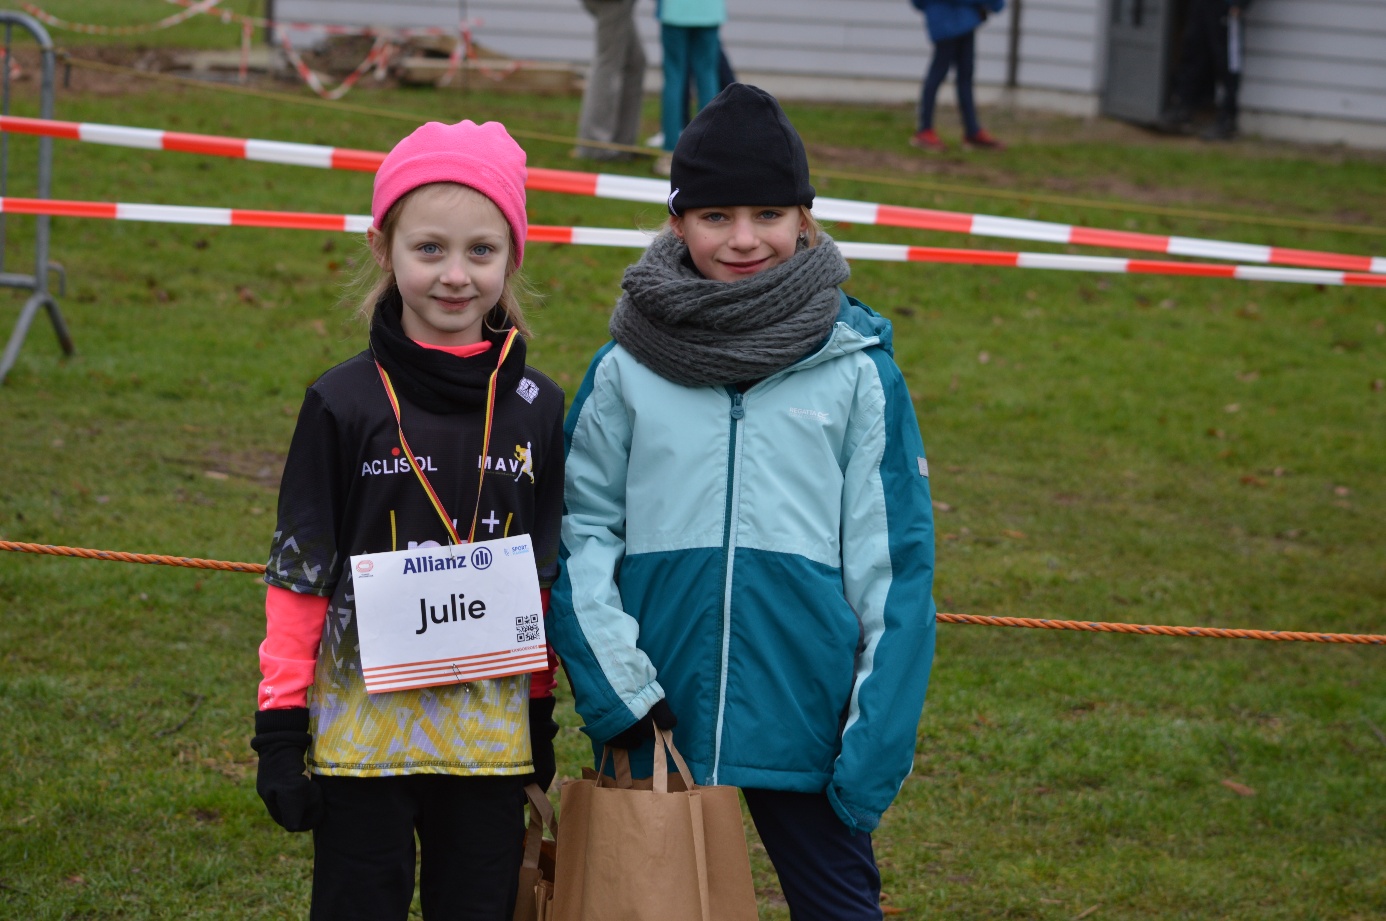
<point x="71" y="77"/>
<point x="263" y="468"/>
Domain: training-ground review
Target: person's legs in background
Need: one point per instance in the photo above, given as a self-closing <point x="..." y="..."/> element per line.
<point x="632" y="81"/>
<point x="615" y="83"/>
<point x="725" y="75"/>
<point x="925" y="138"/>
<point x="673" y="98"/>
<point x="703" y="47"/>
<point x="964" y="65"/>
<point x="725" y="78"/>
<point x="974" y="135"/>
<point x="690" y="56"/>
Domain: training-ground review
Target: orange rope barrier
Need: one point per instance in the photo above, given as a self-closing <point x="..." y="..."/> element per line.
<point x="1223" y="633"/>
<point x="191" y="562"/>
<point x="1226" y="633"/>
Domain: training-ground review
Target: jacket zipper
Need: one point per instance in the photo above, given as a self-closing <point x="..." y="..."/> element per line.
<point x="738" y="413"/>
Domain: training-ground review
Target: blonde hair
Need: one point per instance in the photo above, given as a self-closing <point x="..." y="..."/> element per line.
<point x="377" y="281"/>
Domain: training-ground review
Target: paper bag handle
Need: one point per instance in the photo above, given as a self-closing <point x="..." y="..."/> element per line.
<point x="620" y="764"/>
<point x="540" y="814"/>
<point x="620" y="760"/>
<point x="661" y="766"/>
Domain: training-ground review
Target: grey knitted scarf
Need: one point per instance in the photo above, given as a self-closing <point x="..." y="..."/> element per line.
<point x="698" y="332"/>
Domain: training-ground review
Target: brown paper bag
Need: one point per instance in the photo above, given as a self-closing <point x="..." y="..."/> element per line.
<point x="535" y="897"/>
<point x="631" y="854"/>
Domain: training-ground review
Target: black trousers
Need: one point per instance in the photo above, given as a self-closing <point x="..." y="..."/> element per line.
<point x="826" y="872"/>
<point x="470" y="836"/>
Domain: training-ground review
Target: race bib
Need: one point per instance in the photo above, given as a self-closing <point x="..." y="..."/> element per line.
<point x="445" y="615"/>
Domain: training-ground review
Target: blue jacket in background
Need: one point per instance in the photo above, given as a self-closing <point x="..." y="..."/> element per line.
<point x="951" y="18"/>
<point x="762" y="560"/>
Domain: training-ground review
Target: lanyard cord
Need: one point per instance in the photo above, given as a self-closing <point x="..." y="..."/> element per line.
<point x="490" y="419"/>
<point x="485" y="443"/>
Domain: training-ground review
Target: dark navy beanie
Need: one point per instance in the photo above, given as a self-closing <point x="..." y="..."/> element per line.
<point x="739" y="150"/>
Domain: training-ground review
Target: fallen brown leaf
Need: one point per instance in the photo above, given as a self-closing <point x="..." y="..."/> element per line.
<point x="1240" y="789"/>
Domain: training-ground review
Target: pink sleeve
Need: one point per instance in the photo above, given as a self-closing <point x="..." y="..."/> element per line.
<point x="542" y="683"/>
<point x="289" y="654"/>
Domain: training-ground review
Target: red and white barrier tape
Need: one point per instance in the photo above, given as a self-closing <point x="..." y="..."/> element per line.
<point x="185" y="214"/>
<point x="15" y="70"/>
<point x="48" y="18"/>
<point x="328" y="28"/>
<point x="378" y="57"/>
<point x="208" y="7"/>
<point x="631" y="188"/>
<point x="605" y="236"/>
<point x="292" y="154"/>
<point x="656" y="191"/>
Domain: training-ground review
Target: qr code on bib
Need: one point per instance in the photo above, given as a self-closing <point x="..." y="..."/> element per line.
<point x="527" y="628"/>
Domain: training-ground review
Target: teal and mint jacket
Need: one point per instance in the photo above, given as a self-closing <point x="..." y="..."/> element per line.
<point x="764" y="560"/>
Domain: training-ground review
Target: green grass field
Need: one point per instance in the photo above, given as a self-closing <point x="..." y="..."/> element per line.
<point x="1124" y="448"/>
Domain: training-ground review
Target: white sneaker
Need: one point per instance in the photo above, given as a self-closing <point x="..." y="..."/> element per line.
<point x="655" y="140"/>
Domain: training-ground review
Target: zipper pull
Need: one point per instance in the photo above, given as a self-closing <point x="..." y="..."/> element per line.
<point x="738" y="412"/>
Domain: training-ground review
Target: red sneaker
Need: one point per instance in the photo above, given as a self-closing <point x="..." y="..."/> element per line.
<point x="928" y="139"/>
<point x="982" y="141"/>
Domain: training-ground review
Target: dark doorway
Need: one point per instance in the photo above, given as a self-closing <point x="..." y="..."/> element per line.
<point x="1143" y="38"/>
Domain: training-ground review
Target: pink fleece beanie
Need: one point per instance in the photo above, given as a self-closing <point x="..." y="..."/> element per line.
<point x="482" y="157"/>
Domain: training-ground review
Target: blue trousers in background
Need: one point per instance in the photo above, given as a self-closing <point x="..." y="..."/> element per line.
<point x="951" y="53"/>
<point x="688" y="52"/>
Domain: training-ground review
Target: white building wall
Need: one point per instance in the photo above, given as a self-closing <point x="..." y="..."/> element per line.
<point x="1307" y="61"/>
<point x="1317" y="58"/>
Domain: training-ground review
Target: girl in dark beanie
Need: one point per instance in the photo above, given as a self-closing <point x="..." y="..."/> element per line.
<point x="748" y="539"/>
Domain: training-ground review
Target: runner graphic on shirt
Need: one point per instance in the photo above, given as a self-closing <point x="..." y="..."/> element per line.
<point x="526" y="460"/>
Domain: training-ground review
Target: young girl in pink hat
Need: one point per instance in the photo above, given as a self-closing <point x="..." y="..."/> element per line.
<point x="445" y="369"/>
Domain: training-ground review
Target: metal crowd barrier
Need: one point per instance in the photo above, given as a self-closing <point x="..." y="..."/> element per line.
<point x="37" y="282"/>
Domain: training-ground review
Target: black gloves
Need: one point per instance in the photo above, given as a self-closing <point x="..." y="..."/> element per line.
<point x="282" y="739"/>
<point x="633" y="736"/>
<point x="542" y="729"/>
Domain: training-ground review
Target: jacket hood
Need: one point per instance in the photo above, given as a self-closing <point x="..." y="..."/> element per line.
<point x="858" y="327"/>
<point x="867" y="322"/>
